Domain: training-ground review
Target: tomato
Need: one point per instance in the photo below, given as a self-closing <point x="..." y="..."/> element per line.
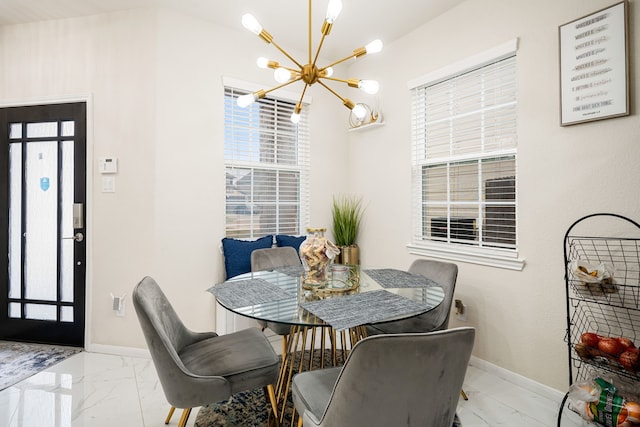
<point x="590" y="338"/>
<point x="610" y="346"/>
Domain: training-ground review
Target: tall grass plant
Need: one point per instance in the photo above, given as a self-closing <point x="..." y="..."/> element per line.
<point x="347" y="213"/>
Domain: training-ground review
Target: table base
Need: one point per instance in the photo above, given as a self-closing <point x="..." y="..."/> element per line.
<point x="296" y="359"/>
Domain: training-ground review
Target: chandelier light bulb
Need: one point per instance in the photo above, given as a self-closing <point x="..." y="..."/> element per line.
<point x="295" y="118"/>
<point x="374" y="47"/>
<point x="251" y="23"/>
<point x="359" y="111"/>
<point x="282" y="75"/>
<point x="333" y="10"/>
<point x="246" y="100"/>
<point x="328" y="72"/>
<point x="262" y="62"/>
<point x="369" y="86"/>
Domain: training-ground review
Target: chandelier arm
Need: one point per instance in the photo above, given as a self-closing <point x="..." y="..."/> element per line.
<point x="293" y="70"/>
<point x="281" y="85"/>
<point x="310" y="38"/>
<point x="319" y="47"/>
<point x="350" y="82"/>
<point x="284" y="52"/>
<point x="344" y="100"/>
<point x="346" y="58"/>
<point x="306" y="85"/>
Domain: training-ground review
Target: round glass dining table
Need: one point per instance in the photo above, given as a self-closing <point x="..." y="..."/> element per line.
<point x="339" y="310"/>
<point x="279" y="296"/>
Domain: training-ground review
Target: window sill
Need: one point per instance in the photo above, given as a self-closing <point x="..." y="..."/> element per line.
<point x="484" y="256"/>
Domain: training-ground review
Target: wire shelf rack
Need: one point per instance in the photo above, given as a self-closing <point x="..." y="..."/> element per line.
<point x="602" y="278"/>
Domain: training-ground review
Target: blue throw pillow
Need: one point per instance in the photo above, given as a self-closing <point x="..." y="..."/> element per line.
<point x="293" y="241"/>
<point x="237" y="253"/>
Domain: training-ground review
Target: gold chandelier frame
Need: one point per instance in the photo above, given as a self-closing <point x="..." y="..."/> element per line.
<point x="310" y="73"/>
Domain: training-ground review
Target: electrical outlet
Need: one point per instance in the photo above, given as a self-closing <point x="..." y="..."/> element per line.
<point x="461" y="310"/>
<point x="117" y="305"/>
<point x="462" y="314"/>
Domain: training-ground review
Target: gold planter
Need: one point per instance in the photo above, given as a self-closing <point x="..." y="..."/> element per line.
<point x="348" y="255"/>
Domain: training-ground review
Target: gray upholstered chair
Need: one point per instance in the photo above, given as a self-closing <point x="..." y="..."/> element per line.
<point x="269" y="259"/>
<point x="200" y="368"/>
<point x="444" y="274"/>
<point x="389" y="380"/>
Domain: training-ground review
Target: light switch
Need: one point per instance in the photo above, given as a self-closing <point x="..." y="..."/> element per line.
<point x="109" y="184"/>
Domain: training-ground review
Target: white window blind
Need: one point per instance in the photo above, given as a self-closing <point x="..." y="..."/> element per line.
<point x="267" y="167"/>
<point x="464" y="157"/>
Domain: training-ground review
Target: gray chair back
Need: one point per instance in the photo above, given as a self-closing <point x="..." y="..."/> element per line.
<point x="400" y="379"/>
<point x="445" y="275"/>
<point x="270" y="258"/>
<point x="166" y="336"/>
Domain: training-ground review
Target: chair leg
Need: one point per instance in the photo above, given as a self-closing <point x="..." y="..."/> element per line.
<point x="464" y="395"/>
<point x="299" y="421"/>
<point x="185" y="416"/>
<point x="270" y="394"/>
<point x="171" y="411"/>
<point x="284" y="345"/>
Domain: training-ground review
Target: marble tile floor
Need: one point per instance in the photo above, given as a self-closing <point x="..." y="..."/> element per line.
<point x="95" y="390"/>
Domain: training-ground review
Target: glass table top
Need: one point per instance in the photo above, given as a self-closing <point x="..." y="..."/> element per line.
<point x="370" y="295"/>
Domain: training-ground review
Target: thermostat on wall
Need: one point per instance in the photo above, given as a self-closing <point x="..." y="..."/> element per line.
<point x="108" y="165"/>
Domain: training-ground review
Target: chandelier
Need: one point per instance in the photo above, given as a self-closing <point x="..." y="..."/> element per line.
<point x="310" y="73"/>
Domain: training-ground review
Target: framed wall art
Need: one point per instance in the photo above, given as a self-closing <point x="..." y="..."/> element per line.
<point x="594" y="68"/>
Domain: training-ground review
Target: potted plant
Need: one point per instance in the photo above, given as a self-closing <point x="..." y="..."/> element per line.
<point x="347" y="212"/>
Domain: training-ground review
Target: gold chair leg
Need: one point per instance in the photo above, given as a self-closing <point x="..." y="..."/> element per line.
<point x="464" y="395"/>
<point x="299" y="421"/>
<point x="171" y="411"/>
<point x="185" y="416"/>
<point x="284" y="345"/>
<point x="270" y="394"/>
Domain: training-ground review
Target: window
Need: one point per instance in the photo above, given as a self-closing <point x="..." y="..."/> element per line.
<point x="266" y="166"/>
<point x="464" y="161"/>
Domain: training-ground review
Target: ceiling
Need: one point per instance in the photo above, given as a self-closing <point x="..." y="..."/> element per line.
<point x="360" y="21"/>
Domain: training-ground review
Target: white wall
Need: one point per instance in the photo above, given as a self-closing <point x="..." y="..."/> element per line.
<point x="563" y="173"/>
<point x="154" y="79"/>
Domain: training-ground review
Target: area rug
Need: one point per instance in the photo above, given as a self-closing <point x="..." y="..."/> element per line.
<point x="250" y="409"/>
<point x="19" y="361"/>
<point x="245" y="409"/>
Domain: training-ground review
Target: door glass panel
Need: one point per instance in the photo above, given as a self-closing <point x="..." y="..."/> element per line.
<point x="41" y="242"/>
<point x="66" y="314"/>
<point x="42" y="130"/>
<point x="15" y="130"/>
<point x="68" y="128"/>
<point x="15" y="220"/>
<point x="40" y="312"/>
<point x="14" y="310"/>
<point x="66" y="222"/>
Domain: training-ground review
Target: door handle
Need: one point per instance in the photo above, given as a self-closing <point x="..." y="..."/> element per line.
<point x="78" y="237"/>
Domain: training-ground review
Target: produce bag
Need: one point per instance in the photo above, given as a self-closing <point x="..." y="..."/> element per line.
<point x="596" y="277"/>
<point x="600" y="402"/>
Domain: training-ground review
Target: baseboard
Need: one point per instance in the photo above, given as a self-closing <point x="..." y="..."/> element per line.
<point x="118" y="350"/>
<point x="517" y="379"/>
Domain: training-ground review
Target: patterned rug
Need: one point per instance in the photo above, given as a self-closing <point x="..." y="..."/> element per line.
<point x="245" y="409"/>
<point x="250" y="408"/>
<point x="19" y="361"/>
